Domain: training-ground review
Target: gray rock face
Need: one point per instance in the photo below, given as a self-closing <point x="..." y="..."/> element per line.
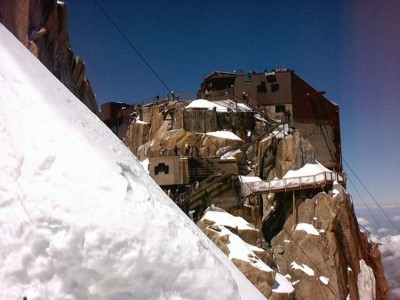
<point x="41" y="25"/>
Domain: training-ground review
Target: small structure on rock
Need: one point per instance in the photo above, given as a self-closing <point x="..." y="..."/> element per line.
<point x="283" y="95"/>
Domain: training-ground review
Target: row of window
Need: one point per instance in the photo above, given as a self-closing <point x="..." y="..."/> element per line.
<point x="271" y="78"/>
<point x="262" y="88"/>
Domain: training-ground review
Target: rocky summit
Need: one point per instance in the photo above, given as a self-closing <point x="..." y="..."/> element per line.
<point x="42" y="27"/>
<point x="300" y="220"/>
<point x="254" y="160"/>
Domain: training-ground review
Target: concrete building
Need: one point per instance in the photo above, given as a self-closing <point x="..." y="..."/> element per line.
<point x="313" y="115"/>
<point x="117" y="116"/>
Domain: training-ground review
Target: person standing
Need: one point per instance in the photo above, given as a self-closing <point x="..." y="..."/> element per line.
<point x="186" y="149"/>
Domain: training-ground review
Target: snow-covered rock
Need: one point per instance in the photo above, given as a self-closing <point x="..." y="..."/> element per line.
<point x="42" y="26"/>
<point x="366" y="282"/>
<point x="225" y="231"/>
<point x="79" y="216"/>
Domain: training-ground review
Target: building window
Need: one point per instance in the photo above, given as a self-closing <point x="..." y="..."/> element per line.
<point x="161" y="167"/>
<point x="247" y="78"/>
<point x="275" y="87"/>
<point x="271" y="78"/>
<point x="280" y="108"/>
<point x="261" y="88"/>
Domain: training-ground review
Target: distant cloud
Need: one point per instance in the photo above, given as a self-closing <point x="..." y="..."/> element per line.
<point x="390" y="250"/>
<point x="363" y="222"/>
<point x="395" y="293"/>
<point x="383" y="230"/>
<point x="396" y="218"/>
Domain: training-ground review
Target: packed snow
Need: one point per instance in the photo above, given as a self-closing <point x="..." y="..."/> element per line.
<point x="232" y="106"/>
<point x="324" y="280"/>
<point x="303" y="267"/>
<point x="335" y="192"/>
<point x="281" y="131"/>
<point x="225" y="135"/>
<point x="145" y="164"/>
<point x="79" y="216"/>
<point x="221" y="106"/>
<point x="221" y="217"/>
<point x="388" y="240"/>
<point x="239" y="249"/>
<point x="282" y="284"/>
<point x="205" y="104"/>
<point x="231" y="154"/>
<point x="307" y="170"/>
<point x="309" y="228"/>
<point x="366" y="282"/>
<point x="309" y="174"/>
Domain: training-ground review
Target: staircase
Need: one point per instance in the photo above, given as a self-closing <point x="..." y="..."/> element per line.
<point x="269" y="120"/>
<point x="213" y="185"/>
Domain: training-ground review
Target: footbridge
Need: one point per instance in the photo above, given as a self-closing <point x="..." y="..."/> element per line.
<point x="320" y="180"/>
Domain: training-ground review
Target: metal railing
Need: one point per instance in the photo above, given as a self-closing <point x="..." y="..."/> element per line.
<point x="302" y="182"/>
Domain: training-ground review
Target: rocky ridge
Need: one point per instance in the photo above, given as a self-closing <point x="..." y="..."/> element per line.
<point x="316" y="244"/>
<point x="238" y="239"/>
<point x="41" y="26"/>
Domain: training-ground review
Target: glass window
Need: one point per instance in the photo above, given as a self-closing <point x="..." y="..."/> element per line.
<point x="271" y="78"/>
<point x="280" y="108"/>
<point x="161" y="167"/>
<point x="274" y="87"/>
<point x="261" y="88"/>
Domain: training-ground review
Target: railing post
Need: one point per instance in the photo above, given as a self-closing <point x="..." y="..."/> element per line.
<point x="294" y="211"/>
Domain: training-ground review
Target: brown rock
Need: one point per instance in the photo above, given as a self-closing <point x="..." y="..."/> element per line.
<point x="249" y="236"/>
<point x="136" y="135"/>
<point x="250" y="214"/>
<point x="219" y="240"/>
<point x="41" y="25"/>
<point x="329" y="254"/>
<point x="292" y="154"/>
<point x="262" y="280"/>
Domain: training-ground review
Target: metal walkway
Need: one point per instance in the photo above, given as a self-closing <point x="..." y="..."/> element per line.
<point x="297" y="183"/>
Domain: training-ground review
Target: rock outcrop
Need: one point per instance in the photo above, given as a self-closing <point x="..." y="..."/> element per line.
<point x="238" y="239"/>
<point x="41" y="25"/>
<point x="318" y="241"/>
<point x="315" y="243"/>
<point x="292" y="153"/>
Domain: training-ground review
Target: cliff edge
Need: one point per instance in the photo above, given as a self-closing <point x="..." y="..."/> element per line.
<point x="41" y="26"/>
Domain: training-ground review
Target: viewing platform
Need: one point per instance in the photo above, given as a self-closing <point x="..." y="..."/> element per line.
<point x="311" y="176"/>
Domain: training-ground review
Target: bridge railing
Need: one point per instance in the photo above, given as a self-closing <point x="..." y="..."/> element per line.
<point x="297" y="182"/>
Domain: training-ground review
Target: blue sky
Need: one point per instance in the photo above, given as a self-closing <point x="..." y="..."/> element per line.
<point x="350" y="49"/>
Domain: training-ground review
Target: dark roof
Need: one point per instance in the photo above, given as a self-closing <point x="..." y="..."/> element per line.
<point x="218" y="73"/>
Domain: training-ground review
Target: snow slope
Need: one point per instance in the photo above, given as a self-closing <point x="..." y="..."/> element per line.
<point x="79" y="216"/>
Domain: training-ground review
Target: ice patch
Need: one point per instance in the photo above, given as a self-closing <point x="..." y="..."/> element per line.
<point x="309" y="228"/>
<point x="324" y="280"/>
<point x="303" y="267"/>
